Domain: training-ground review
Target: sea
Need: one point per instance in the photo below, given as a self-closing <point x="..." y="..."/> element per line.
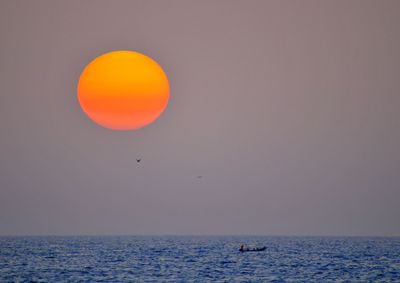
<point x="198" y="259"/>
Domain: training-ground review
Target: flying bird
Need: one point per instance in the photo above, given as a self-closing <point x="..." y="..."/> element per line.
<point x="138" y="160"/>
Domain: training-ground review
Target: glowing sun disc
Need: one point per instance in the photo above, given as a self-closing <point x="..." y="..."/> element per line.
<point x="123" y="90"/>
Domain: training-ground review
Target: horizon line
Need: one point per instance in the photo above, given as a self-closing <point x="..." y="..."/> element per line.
<point x="201" y="235"/>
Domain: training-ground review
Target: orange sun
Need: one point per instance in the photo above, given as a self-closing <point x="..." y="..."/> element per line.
<point x="123" y="90"/>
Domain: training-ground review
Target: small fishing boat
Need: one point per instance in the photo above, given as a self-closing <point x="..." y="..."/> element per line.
<point x="243" y="248"/>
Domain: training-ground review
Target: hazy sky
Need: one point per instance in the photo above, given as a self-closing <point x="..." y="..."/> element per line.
<point x="289" y="109"/>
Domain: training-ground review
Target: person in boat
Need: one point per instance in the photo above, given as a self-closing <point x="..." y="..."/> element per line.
<point x="243" y="248"/>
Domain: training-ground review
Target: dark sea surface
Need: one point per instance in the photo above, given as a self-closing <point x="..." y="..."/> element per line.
<point x="198" y="259"/>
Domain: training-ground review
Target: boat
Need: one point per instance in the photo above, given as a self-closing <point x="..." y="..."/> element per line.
<point x="252" y="250"/>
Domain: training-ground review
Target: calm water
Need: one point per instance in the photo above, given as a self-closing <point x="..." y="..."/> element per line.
<point x="198" y="259"/>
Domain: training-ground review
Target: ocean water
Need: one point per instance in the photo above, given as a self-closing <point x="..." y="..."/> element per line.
<point x="198" y="259"/>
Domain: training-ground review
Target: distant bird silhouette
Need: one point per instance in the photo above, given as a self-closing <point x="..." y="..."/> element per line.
<point x="138" y="160"/>
<point x="199" y="177"/>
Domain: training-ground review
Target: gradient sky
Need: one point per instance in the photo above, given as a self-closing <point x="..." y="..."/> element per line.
<point x="289" y="109"/>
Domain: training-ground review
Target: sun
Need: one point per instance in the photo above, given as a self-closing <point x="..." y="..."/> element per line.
<point x="123" y="90"/>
